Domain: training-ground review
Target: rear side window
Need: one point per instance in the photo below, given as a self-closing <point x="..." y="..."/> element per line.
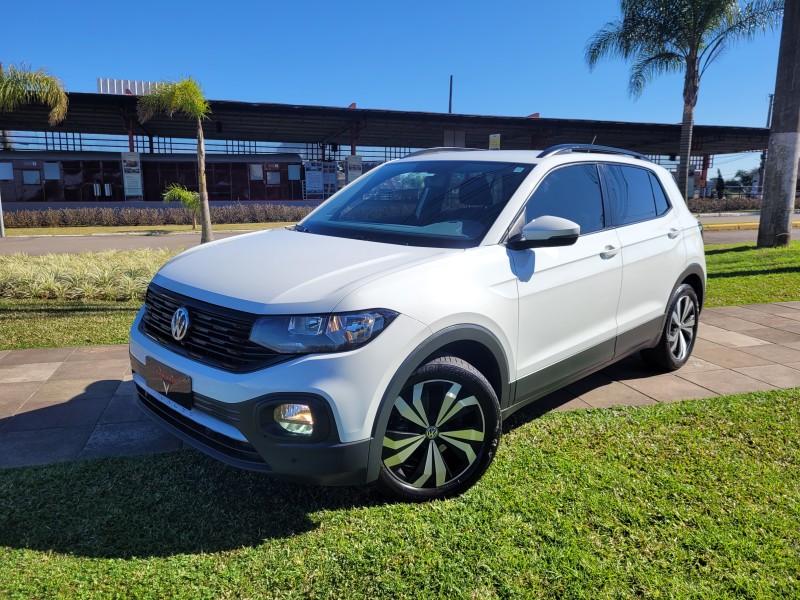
<point x="633" y="194"/>
<point x="571" y="192"/>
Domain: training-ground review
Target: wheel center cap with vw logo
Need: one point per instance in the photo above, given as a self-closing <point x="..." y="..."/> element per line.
<point x="180" y="323"/>
<point x="432" y="432"/>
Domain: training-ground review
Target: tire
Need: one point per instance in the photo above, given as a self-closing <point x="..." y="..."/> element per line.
<point x="680" y="332"/>
<point x="442" y="433"/>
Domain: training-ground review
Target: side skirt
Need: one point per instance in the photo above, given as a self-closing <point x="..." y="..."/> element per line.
<point x="548" y="380"/>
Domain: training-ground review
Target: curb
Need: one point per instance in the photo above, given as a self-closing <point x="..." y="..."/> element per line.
<point x="735" y="226"/>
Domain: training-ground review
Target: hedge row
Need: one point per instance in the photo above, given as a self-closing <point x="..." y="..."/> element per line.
<point x="246" y="213"/>
<point x="95" y="216"/>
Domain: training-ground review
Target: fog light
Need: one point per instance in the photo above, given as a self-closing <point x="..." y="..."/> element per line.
<point x="295" y="418"/>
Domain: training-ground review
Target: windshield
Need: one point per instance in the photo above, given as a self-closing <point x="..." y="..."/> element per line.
<point x="442" y="203"/>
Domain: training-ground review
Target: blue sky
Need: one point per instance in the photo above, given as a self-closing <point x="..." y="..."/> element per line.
<point x="507" y="58"/>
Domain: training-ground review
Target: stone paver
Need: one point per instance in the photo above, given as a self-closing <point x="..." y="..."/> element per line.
<point x="69" y="403"/>
<point x="14" y="395"/>
<point x="773" y="353"/>
<point x="29" y="372"/>
<point x="724" y="337"/>
<point x="728" y="358"/>
<point x="35" y="355"/>
<point x="123" y="409"/>
<point x="119" y="352"/>
<point x="98" y="369"/>
<point x="71" y="389"/>
<point x="124" y="439"/>
<point x="599" y="391"/>
<point x="776" y="336"/>
<point x="42" y="446"/>
<point x="727" y="382"/>
<point x="778" y="375"/>
<point x="732" y="323"/>
<point x="52" y="415"/>
<point x="670" y="388"/>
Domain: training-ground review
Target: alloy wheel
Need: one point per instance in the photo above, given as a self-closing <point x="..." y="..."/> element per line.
<point x="435" y="434"/>
<point x="680" y="335"/>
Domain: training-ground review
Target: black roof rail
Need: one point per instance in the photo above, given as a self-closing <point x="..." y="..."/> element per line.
<point x="589" y="148"/>
<point x="440" y="149"/>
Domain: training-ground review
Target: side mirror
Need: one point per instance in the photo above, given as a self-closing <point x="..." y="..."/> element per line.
<point x="546" y="231"/>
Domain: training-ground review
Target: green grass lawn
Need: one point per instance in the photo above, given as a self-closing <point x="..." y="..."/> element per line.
<point x="59" y="323"/>
<point x="744" y="274"/>
<point x="696" y="499"/>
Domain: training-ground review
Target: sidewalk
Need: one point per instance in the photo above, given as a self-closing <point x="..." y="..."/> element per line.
<point x="60" y="404"/>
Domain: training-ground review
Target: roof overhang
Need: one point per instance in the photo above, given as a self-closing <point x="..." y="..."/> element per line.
<point x="116" y="115"/>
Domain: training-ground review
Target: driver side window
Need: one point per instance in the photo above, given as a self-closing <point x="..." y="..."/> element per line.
<point x="571" y="192"/>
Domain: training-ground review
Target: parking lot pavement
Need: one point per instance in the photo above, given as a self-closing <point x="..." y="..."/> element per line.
<point x="60" y="404"/>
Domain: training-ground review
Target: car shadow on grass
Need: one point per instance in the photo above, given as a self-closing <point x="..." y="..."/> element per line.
<point x="157" y="505"/>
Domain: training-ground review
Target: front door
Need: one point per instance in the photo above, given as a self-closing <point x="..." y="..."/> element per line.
<point x="568" y="296"/>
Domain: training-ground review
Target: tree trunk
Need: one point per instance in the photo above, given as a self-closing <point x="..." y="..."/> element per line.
<point x="205" y="214"/>
<point x="687" y="125"/>
<point x="691" y="85"/>
<point x="783" y="153"/>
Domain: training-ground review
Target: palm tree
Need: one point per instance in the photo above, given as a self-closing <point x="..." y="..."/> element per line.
<point x="20" y="86"/>
<point x="184" y="97"/>
<point x="679" y="36"/>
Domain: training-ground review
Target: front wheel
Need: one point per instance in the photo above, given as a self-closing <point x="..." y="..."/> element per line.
<point x="680" y="331"/>
<point x="442" y="434"/>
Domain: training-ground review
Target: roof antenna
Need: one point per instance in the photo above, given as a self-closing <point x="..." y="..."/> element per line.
<point x="593" y="140"/>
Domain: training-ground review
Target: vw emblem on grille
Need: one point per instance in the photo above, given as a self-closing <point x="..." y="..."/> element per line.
<point x="180" y="323"/>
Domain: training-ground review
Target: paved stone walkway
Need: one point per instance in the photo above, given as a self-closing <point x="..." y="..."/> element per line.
<point x="74" y="403"/>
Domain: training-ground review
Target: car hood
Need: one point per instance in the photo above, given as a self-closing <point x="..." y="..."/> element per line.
<point x="283" y="271"/>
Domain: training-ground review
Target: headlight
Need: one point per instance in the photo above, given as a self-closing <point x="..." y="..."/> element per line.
<point x="320" y="333"/>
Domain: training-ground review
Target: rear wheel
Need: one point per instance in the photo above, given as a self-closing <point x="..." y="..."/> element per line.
<point x="680" y="332"/>
<point x="442" y="434"/>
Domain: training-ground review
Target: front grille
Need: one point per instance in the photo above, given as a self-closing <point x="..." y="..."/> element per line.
<point x="217" y="336"/>
<point x="242" y="452"/>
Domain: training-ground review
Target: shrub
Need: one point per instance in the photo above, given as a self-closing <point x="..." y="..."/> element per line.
<point x="110" y="275"/>
<point x="127" y="217"/>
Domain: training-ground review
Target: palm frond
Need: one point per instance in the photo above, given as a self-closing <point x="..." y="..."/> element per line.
<point x="740" y="23"/>
<point x="171" y="97"/>
<point x="645" y="68"/>
<point x="20" y="86"/>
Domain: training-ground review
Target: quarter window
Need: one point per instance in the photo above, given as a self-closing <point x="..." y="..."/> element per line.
<point x="662" y="204"/>
<point x="571" y="192"/>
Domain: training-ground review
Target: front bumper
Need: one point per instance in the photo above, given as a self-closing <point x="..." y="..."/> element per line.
<point x="322" y="463"/>
<point x="226" y="419"/>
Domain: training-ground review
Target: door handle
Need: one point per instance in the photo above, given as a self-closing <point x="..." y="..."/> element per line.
<point x="673" y="233"/>
<point x="609" y="252"/>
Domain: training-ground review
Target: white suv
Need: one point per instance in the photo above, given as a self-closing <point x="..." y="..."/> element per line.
<point x="387" y="335"/>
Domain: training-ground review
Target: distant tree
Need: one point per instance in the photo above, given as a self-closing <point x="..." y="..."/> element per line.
<point x="19" y="86"/>
<point x="184" y="97"/>
<point x="720" y="185"/>
<point x="175" y="192"/>
<point x="745" y="178"/>
<point x="679" y="36"/>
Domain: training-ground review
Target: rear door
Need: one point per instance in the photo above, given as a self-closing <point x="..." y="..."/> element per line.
<point x="653" y="252"/>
